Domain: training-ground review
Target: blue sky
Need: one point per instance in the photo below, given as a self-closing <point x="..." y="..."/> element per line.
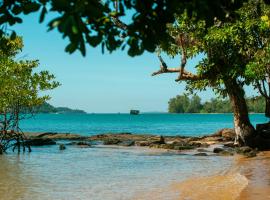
<point x="100" y="83"/>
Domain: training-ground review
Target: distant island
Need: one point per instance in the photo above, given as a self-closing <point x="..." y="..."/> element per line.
<point x="48" y="108"/>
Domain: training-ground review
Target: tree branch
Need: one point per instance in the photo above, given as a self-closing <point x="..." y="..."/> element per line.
<point x="184" y="75"/>
<point x="258" y="85"/>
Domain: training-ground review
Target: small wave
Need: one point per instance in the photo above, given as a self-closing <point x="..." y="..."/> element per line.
<point x="218" y="187"/>
<point x="225" y="187"/>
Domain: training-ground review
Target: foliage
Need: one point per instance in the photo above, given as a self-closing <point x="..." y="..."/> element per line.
<point x="98" y="22"/>
<point x="184" y="104"/>
<point x="20" y="88"/>
<point x="233" y="50"/>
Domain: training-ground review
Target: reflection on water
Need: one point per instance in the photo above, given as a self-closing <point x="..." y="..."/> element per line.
<point x="98" y="173"/>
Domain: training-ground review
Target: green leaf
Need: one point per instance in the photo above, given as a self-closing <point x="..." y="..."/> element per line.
<point x="71" y="48"/>
<point x="42" y="14"/>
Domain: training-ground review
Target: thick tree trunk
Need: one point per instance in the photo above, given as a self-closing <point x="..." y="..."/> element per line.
<point x="244" y="130"/>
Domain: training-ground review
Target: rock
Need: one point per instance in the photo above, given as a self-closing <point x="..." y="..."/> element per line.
<point x="154" y="145"/>
<point x="46" y="134"/>
<point x="40" y="142"/>
<point x="265" y="134"/>
<point x="218" y="150"/>
<point x="260" y="127"/>
<point x="161" y="140"/>
<point x="246" y="151"/>
<point x="80" y="144"/>
<point x="227" y="134"/>
<point x="263" y="130"/>
<point x="111" y="141"/>
<point x="229" y="144"/>
<point x="225" y="153"/>
<point x="202" y="150"/>
<point x="83" y="144"/>
<point x="204" y="145"/>
<point x="142" y="143"/>
<point x="187" y="147"/>
<point x="200" y="154"/>
<point x="167" y="146"/>
<point x="127" y="143"/>
<point x="251" y="154"/>
<point x="62" y="147"/>
<point x="194" y="144"/>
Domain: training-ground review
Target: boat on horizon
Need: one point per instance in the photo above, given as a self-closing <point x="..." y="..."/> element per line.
<point x="134" y="112"/>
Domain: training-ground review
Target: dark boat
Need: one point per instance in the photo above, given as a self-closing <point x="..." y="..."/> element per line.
<point x="134" y="112"/>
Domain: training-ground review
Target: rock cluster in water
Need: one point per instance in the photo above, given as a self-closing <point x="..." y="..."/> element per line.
<point x="223" y="138"/>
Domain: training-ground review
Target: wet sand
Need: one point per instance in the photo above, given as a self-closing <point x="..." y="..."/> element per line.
<point x="247" y="179"/>
<point x="257" y="171"/>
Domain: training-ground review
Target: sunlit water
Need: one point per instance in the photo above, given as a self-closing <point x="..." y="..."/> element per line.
<point x="112" y="173"/>
<point x="166" y="124"/>
<point x="98" y="172"/>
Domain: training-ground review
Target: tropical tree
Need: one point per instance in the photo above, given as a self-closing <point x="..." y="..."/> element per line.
<point x="231" y="49"/>
<point x="19" y="91"/>
<point x="179" y="104"/>
<point x="184" y="104"/>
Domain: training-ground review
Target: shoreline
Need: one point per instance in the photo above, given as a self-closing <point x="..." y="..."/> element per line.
<point x="244" y="178"/>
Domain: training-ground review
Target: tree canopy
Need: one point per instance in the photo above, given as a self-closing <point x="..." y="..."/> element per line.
<point x="113" y="24"/>
<point x="193" y="104"/>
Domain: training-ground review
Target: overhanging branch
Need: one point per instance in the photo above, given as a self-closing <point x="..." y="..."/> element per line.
<point x="183" y="74"/>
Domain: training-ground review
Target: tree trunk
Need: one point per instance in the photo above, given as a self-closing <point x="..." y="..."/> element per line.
<point x="244" y="130"/>
<point x="267" y="107"/>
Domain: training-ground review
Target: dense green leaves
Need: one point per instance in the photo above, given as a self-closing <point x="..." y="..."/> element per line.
<point x="185" y="104"/>
<point x="20" y="85"/>
<point x="146" y="23"/>
<point x="236" y="50"/>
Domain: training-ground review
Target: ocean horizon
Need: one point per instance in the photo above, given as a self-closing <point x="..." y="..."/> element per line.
<point x="146" y="123"/>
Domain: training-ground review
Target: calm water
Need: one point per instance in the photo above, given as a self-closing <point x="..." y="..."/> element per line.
<point x="98" y="173"/>
<point x="166" y="124"/>
<point x="110" y="173"/>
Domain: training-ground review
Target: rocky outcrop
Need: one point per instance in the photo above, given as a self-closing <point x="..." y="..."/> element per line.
<point x="226" y="134"/>
<point x="39" y="142"/>
<point x="223" y="138"/>
<point x="246" y="151"/>
<point x="55" y="136"/>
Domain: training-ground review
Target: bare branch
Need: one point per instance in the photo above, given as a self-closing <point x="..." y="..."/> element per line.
<point x="166" y="70"/>
<point x="258" y="85"/>
<point x="184" y="75"/>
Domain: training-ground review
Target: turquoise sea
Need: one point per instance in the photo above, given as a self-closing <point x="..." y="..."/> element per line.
<point x="163" y="124"/>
